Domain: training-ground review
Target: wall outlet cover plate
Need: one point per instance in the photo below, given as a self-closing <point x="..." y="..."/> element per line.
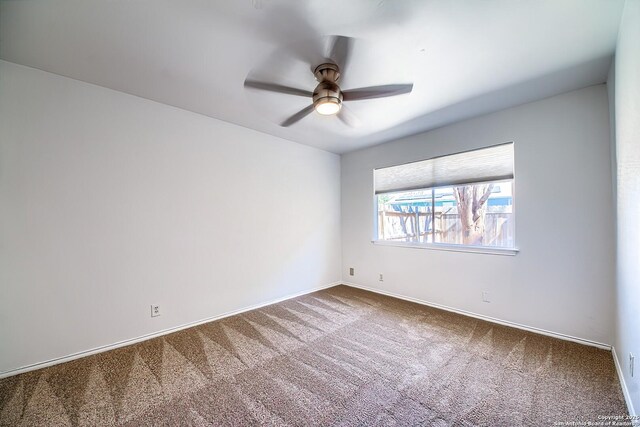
<point x="155" y="310"/>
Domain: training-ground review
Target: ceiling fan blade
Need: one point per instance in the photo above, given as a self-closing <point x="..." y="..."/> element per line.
<point x="373" y="92"/>
<point x="282" y="23"/>
<point x="297" y="116"/>
<point x="340" y="50"/>
<point x="273" y="87"/>
<point x="348" y="118"/>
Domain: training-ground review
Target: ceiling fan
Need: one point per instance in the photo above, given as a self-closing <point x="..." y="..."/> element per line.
<point x="327" y="98"/>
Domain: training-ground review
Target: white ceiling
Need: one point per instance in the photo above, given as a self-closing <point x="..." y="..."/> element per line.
<point x="465" y="57"/>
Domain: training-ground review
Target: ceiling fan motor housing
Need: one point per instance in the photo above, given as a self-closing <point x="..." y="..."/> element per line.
<point x="327" y="90"/>
<point x="327" y="72"/>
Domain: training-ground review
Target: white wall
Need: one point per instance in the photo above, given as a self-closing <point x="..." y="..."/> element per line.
<point x="562" y="278"/>
<point x="627" y="118"/>
<point x="109" y="203"/>
<point x="611" y="98"/>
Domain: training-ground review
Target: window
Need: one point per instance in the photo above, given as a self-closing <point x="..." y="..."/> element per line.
<point x="463" y="199"/>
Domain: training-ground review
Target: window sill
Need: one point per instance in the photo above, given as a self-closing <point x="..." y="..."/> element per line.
<point x="453" y="248"/>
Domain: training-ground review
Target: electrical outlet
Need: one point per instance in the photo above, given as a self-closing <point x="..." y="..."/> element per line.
<point x="351" y="271"/>
<point x="631" y="360"/>
<point x="381" y="278"/>
<point x="155" y="310"/>
<point x="485" y="296"/>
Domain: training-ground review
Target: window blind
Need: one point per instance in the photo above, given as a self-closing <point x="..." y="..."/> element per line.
<point x="486" y="164"/>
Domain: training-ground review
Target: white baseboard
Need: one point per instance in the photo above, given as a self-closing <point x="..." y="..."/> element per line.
<point x="124" y="343"/>
<point x="623" y="384"/>
<point x="483" y="317"/>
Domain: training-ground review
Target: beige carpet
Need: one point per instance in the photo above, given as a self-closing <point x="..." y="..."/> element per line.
<point x="342" y="357"/>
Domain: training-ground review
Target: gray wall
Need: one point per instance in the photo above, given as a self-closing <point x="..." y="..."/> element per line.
<point x="562" y="278"/>
<point x="109" y="203"/>
<point x="627" y="120"/>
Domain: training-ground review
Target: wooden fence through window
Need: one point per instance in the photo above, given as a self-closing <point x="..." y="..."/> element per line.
<point x="417" y="227"/>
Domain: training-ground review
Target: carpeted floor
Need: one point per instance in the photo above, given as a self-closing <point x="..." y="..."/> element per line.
<point x="342" y="357"/>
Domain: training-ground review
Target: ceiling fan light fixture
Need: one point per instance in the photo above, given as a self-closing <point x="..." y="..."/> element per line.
<point x="328" y="106"/>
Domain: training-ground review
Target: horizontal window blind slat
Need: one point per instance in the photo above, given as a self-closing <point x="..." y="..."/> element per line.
<point x="485" y="164"/>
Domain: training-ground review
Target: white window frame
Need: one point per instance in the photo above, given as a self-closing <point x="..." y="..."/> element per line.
<point x="491" y="250"/>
